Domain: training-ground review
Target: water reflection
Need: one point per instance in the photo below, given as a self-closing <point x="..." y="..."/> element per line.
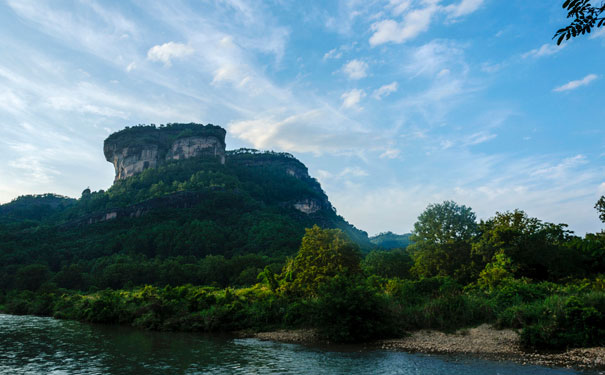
<point x="32" y="345"/>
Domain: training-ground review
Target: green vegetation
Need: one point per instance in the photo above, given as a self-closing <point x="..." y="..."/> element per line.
<point x="326" y="286"/>
<point x="162" y="136"/>
<point x="390" y="240"/>
<point x="196" y="245"/>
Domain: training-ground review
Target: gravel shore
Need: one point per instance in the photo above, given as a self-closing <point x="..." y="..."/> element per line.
<point x="482" y="341"/>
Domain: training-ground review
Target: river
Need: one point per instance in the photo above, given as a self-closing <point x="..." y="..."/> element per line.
<point x="34" y="345"/>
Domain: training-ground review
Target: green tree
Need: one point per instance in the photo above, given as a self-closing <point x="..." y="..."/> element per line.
<point x="323" y="254"/>
<point x="31" y="277"/>
<point x="388" y="263"/>
<point x="537" y="249"/>
<point x="600" y="206"/>
<point x="442" y="241"/>
<point x="496" y="272"/>
<point x="585" y="17"/>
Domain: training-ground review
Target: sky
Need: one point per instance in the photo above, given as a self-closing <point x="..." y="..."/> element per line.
<point x="392" y="104"/>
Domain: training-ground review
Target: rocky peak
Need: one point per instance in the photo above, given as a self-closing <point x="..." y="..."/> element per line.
<point x="137" y="148"/>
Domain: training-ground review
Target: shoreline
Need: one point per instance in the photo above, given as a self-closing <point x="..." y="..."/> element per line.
<point x="483" y="342"/>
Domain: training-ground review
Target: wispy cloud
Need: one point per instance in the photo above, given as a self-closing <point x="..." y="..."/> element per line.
<point x="351" y="99"/>
<point x="572" y="85"/>
<point x="320" y="131"/>
<point x="169" y="51"/>
<point x="385" y="90"/>
<point x="436" y="56"/>
<point x="356" y="69"/>
<point x="416" y="19"/>
<point x="465" y="7"/>
<point x="413" y="23"/>
<point x="334" y="53"/>
<point x="545" y="50"/>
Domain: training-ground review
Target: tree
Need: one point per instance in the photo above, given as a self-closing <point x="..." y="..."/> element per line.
<point x="537" y="249"/>
<point x="600" y="206"/>
<point x="388" y="263"/>
<point x="323" y="254"/>
<point x="585" y="17"/>
<point x="442" y="241"/>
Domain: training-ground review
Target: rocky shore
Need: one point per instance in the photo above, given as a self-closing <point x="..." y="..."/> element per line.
<point x="482" y="341"/>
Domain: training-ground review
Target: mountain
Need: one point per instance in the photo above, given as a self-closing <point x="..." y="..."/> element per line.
<point x="177" y="193"/>
<point x="390" y="240"/>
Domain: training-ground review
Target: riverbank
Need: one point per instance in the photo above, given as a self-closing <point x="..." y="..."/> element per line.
<point x="483" y="341"/>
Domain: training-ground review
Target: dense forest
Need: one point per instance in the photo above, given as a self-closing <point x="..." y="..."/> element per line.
<point x="196" y="245"/>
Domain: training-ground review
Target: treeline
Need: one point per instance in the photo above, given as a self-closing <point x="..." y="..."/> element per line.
<point x="330" y="286"/>
<point x="128" y="271"/>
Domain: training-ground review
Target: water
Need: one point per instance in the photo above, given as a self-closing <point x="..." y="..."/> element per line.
<point x="32" y="345"/>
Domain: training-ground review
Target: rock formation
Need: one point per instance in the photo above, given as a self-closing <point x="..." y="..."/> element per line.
<point x="135" y="149"/>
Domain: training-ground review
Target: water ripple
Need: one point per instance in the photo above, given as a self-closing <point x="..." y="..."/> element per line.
<point x="33" y="345"/>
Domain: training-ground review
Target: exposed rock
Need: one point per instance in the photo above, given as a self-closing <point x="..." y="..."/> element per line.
<point x="190" y="147"/>
<point x="309" y="206"/>
<point x="129" y="161"/>
<point x="133" y="150"/>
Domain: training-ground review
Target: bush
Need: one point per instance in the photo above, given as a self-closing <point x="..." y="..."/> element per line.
<point x="349" y="311"/>
<point x="576" y="321"/>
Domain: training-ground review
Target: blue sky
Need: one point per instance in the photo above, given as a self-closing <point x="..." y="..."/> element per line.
<point x="391" y="104"/>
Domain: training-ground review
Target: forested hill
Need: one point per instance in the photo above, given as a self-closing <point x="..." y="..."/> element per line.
<point x="248" y="204"/>
<point x="390" y="240"/>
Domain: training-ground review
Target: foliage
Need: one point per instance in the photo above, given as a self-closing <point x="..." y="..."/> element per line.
<point x="348" y="310"/>
<point x="585" y="17"/>
<point x="388" y="264"/>
<point x="323" y="254"/>
<point x="567" y="322"/>
<point x="536" y="249"/>
<point x="390" y="240"/>
<point x="600" y="206"/>
<point x="442" y="241"/>
<point x="501" y="269"/>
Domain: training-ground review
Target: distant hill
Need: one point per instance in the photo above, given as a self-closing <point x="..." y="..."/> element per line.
<point x="390" y="240"/>
<point x="34" y="207"/>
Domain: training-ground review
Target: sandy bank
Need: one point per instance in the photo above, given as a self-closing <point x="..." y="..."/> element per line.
<point x="483" y="341"/>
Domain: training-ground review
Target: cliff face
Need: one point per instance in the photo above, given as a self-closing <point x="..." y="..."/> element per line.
<point x="135" y="149"/>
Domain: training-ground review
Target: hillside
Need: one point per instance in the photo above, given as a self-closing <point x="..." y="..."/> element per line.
<point x="185" y="202"/>
<point x="390" y="240"/>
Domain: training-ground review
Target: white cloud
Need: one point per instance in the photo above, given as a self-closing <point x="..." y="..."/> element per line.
<point x="436" y="57"/>
<point x="385" y="90"/>
<point x="319" y="131"/>
<point x="414" y="23"/>
<point x="334" y="53"/>
<point x="561" y="169"/>
<point x="355" y="69"/>
<point x="416" y="20"/>
<point x="399" y="6"/>
<point x="545" y="50"/>
<point x="465" y="7"/>
<point x="351" y="98"/>
<point x="11" y="102"/>
<point x="169" y="51"/>
<point x="390" y="153"/>
<point x="572" y="85"/>
<point x="132" y="66"/>
<point x="353" y="172"/>
<point x="478" y="138"/>
<point x="598" y="34"/>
